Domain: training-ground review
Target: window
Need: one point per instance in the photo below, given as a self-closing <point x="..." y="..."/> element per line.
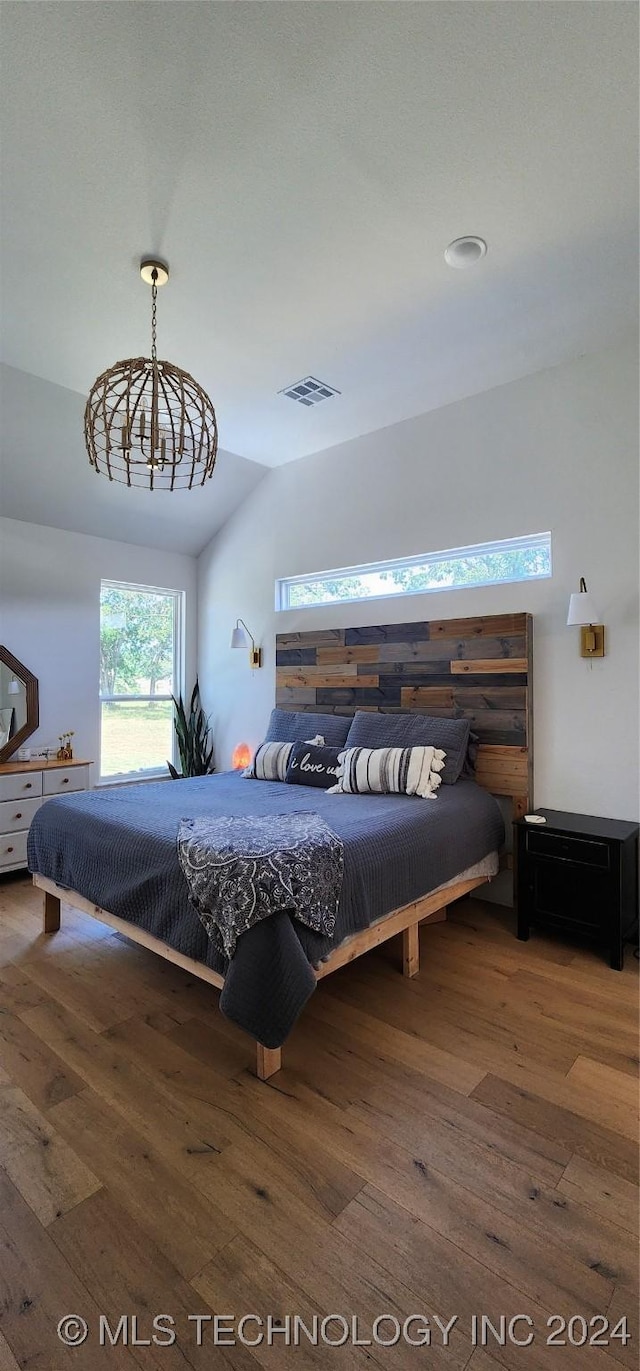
<point x="140" y="669"/>
<point x="513" y="559"/>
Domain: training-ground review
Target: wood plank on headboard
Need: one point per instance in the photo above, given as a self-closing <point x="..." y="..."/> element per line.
<point x="478" y="669"/>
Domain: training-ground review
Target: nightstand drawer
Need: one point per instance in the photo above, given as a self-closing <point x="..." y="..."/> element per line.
<point x="560" y="847"/>
<point x="568" y="896"/>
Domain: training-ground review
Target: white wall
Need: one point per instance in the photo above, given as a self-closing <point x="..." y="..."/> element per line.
<point x="50" y="617"/>
<point x="557" y="450"/>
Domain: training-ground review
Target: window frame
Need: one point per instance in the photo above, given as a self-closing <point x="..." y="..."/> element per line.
<point x="284" y="584"/>
<point x="178" y="675"/>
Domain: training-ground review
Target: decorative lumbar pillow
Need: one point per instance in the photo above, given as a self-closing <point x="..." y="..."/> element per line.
<point x="414" y="730"/>
<point x="270" y="762"/>
<point x="293" y="726"/>
<point x="390" y="771"/>
<point x="310" y="765"/>
<point x="272" y="759"/>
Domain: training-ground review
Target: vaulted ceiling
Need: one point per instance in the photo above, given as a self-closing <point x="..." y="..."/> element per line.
<point x="302" y="166"/>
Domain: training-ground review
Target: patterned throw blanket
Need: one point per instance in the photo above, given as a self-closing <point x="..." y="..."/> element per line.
<point x="241" y="870"/>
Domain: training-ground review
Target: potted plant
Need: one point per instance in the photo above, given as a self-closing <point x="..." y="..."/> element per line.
<point x="193" y="735"/>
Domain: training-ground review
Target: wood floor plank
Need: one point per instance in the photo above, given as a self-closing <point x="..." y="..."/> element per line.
<point x="185" y="1227"/>
<point x="189" y="1137"/>
<point x="403" y="1093"/>
<point x="484" y="1167"/>
<point x="616" y="1199"/>
<point x="385" y="1043"/>
<point x="202" y="1040"/>
<point x="7" y="1359"/>
<point x="242" y="1276"/>
<point x="469" y="1221"/>
<point x="127" y="1273"/>
<point x="94" y="999"/>
<point x="454" y="1282"/>
<point x="48" y="1172"/>
<point x="484" y="934"/>
<point x="324" y="1264"/>
<point x="597" y="1144"/>
<point x="33" y="1066"/>
<point x="624" y="1306"/>
<point x="331" y="1183"/>
<point x="38" y="1288"/>
<point x="459" y="1143"/>
<point x="613" y="1093"/>
<point x="490" y="1043"/>
<point x="577" y="1095"/>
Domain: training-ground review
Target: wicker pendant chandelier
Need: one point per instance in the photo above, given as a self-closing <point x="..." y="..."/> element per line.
<point x="148" y="423"/>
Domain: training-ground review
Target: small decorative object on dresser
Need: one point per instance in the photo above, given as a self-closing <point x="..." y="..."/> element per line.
<point x="578" y="874"/>
<point x="24" y="786"/>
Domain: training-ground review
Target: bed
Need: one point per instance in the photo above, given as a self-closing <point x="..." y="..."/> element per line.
<point x="112" y="853"/>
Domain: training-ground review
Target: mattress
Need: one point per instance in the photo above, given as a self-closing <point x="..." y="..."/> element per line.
<point x="118" y="848"/>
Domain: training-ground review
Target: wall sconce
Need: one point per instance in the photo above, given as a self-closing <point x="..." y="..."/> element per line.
<point x="14" y="687"/>
<point x="582" y="611"/>
<point x="241" y="757"/>
<point x="241" y="637"/>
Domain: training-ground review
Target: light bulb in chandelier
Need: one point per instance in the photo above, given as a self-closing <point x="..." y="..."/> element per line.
<point x="147" y="422"/>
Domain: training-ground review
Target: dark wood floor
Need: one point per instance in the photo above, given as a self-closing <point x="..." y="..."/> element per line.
<point x="459" y="1144"/>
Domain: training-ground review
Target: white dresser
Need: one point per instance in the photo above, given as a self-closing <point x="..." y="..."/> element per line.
<point x="24" y="786"/>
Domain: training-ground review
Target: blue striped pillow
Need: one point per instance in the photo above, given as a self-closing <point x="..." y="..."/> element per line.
<point x="389" y="771"/>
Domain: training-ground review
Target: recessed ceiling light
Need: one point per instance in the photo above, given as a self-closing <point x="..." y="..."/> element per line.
<point x="465" y="252"/>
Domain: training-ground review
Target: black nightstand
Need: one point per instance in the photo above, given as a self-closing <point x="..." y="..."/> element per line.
<point x="578" y="874"/>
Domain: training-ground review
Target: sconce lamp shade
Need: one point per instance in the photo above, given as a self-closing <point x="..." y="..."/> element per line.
<point x="582" y="609"/>
<point x="583" y="613"/>
<point x="14" y="687"/>
<point x="239" y="637"/>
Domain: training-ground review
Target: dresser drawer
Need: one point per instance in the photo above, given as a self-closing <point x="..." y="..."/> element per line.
<point x="61" y="780"/>
<point x="17" y="814"/>
<point x="22" y="786"/>
<point x="13" y="849"/>
<point x="584" y="851"/>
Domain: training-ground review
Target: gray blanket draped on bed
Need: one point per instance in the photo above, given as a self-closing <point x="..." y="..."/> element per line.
<point x="117" y="848"/>
<point x="242" y="870"/>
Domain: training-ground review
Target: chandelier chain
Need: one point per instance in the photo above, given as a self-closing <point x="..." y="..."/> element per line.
<point x="154" y="304"/>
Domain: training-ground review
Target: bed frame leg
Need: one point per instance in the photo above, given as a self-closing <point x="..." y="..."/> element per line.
<point x="439" y="917"/>
<point x="51" y="917"/>
<point x="269" y="1060"/>
<point x="411" y="950"/>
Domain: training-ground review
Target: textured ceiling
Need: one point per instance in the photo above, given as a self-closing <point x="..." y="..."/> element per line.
<point x="302" y="166"/>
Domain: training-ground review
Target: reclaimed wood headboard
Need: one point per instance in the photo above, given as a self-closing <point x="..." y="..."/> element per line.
<point x="476" y="669"/>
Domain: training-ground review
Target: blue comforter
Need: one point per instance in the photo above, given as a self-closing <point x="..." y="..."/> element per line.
<point x="118" y="848"/>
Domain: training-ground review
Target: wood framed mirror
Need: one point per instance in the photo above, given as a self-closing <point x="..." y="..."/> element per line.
<point x="19" y="710"/>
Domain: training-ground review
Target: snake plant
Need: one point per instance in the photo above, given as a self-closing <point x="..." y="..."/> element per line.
<point x="193" y="735"/>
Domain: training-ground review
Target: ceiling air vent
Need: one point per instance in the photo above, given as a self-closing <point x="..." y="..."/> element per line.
<point x="309" y="391"/>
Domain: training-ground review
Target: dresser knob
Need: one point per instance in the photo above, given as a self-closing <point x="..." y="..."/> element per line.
<point x="9" y="849"/>
<point x="28" y="785"/>
<point x="65" y="780"/>
<point x="17" y="816"/>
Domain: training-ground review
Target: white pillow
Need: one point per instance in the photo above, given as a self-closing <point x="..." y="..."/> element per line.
<point x="389" y="771"/>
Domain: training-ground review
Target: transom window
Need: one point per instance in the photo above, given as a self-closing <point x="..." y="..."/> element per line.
<point x="140" y="668"/>
<point x="484" y="564"/>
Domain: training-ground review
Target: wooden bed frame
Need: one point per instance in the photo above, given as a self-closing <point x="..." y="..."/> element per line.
<point x="458" y="668"/>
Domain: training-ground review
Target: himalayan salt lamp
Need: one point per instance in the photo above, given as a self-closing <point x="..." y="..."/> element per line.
<point x="241" y="756"/>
